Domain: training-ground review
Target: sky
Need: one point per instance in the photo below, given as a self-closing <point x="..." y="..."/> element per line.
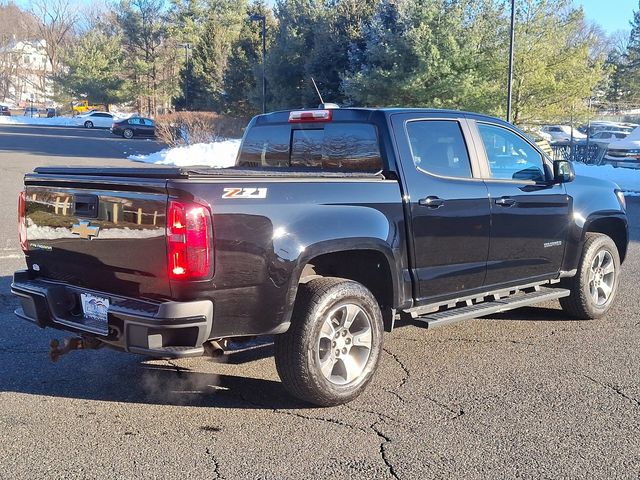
<point x="612" y="15"/>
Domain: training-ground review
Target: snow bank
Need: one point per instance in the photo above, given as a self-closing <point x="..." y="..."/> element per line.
<point x="627" y="179"/>
<point x="218" y="155"/>
<point x="51" y="122"/>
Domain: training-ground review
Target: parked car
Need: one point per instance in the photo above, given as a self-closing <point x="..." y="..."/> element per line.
<point x="561" y="134"/>
<point x="51" y="112"/>
<point x="96" y="119"/>
<point x="134" y="127"/>
<point x="607" y="126"/>
<point x="5" y="111"/>
<point x="605" y="137"/>
<point x="625" y="152"/>
<point x="30" y="112"/>
<point x="332" y="224"/>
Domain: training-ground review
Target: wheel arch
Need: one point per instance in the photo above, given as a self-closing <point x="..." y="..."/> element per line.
<point x="614" y="227"/>
<point x="369" y="261"/>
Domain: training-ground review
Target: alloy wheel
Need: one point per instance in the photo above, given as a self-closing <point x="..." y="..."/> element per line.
<point x="344" y="345"/>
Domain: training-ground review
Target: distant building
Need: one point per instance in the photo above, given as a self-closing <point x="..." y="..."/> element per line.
<point x="25" y="73"/>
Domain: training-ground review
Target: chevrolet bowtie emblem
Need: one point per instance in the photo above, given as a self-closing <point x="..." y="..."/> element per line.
<point x="84" y="230"/>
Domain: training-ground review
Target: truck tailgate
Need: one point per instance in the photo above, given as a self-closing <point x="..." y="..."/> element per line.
<point x="105" y="234"/>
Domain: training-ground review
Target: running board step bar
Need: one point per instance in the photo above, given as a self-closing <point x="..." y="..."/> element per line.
<point x="452" y="315"/>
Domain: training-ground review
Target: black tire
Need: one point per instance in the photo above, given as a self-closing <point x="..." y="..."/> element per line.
<point x="88" y="124"/>
<point x="581" y="303"/>
<point x="297" y="352"/>
<point x="127" y="133"/>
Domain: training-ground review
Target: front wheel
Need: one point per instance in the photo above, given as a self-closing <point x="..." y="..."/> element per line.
<point x="594" y="287"/>
<point x="128" y="133"/>
<point x="88" y="124"/>
<point x="331" y="351"/>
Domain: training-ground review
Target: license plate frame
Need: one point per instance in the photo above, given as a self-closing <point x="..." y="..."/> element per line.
<point x="95" y="308"/>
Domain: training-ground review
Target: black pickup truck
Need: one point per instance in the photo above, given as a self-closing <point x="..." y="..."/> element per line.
<point x="333" y="225"/>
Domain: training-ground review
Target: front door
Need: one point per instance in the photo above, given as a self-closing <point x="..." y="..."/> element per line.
<point x="448" y="206"/>
<point x="529" y="214"/>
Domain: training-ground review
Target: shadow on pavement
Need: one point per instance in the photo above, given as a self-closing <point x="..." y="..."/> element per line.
<point x="107" y="375"/>
<point x="71" y="142"/>
<point x="532" y="314"/>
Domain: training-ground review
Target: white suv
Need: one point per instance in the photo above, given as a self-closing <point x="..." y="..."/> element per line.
<point x="561" y="134"/>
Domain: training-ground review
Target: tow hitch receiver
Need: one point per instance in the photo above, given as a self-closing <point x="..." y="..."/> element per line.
<point x="73" y="343"/>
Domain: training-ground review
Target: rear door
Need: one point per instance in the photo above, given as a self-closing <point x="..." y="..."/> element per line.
<point x="102" y="120"/>
<point x="448" y="204"/>
<point x="148" y="127"/>
<point x="529" y="214"/>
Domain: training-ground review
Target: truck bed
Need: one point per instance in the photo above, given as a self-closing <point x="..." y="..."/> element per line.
<point x="171" y="173"/>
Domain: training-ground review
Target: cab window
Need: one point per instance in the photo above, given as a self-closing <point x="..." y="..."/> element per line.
<point x="510" y="156"/>
<point x="332" y="146"/>
<point x="438" y="147"/>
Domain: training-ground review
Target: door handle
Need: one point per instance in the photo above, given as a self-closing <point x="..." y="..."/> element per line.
<point x="505" y="201"/>
<point x="431" y="202"/>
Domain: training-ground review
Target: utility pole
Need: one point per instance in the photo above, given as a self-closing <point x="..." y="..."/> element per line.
<point x="511" y="51"/>
<point x="187" y="47"/>
<point x="263" y="19"/>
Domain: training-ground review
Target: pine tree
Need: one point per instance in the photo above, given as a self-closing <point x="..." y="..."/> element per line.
<point x="630" y="69"/>
<point x="144" y="28"/>
<point x="289" y="84"/>
<point x="205" y="74"/>
<point x="94" y="70"/>
<point x="243" y="76"/>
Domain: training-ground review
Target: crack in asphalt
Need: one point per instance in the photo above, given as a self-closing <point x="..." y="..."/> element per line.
<point x="296" y="414"/>
<point x="216" y="465"/>
<point x="407" y="374"/>
<point x="456" y="413"/>
<point x="381" y="416"/>
<point x="373" y="427"/>
<point x="614" y="388"/>
<point x="383" y="451"/>
<point x="467" y="340"/>
<point x="321" y="419"/>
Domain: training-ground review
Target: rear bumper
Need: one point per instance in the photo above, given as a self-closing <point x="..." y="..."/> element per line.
<point x="166" y="329"/>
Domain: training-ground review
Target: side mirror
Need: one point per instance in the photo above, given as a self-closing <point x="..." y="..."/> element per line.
<point x="563" y="171"/>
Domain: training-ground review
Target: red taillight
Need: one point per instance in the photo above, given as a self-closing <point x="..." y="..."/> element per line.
<point x="303" y="116"/>
<point x="189" y="240"/>
<point x="22" y="221"/>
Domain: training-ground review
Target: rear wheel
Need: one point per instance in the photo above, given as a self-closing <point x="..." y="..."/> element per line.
<point x="127" y="133"/>
<point x="88" y="124"/>
<point x="594" y="287"/>
<point x="330" y="352"/>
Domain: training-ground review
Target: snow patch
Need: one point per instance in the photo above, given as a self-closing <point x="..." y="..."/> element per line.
<point x="51" y="122"/>
<point x="628" y="179"/>
<point x="220" y="154"/>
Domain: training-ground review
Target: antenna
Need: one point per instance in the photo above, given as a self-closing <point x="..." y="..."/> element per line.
<point x="317" y="91"/>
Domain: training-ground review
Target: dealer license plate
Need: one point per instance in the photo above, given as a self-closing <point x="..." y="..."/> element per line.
<point x="95" y="307"/>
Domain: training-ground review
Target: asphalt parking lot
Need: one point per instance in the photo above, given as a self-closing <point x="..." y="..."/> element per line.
<point x="527" y="393"/>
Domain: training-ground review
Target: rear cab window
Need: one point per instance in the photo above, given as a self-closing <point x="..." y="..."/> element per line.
<point x="345" y="146"/>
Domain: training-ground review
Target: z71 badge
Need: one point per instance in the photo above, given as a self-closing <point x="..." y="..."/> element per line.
<point x="247" y="192"/>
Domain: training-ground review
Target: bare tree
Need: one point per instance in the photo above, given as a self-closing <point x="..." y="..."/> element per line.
<point x="16" y="25"/>
<point x="56" y="22"/>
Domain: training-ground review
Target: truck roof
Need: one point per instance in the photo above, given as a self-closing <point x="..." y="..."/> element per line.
<point x="365" y="114"/>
